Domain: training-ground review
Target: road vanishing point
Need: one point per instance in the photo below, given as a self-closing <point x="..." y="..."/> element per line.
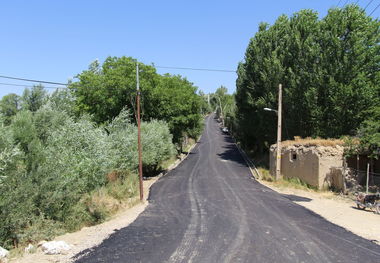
<point x="210" y="209"/>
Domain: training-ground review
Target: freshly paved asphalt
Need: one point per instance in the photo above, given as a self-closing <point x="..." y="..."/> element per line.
<point x="209" y="209"/>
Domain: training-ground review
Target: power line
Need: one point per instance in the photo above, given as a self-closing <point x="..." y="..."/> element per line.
<point x="65" y="84"/>
<point x="27" y="86"/>
<point x="345" y="3"/>
<point x="368" y="4"/>
<point x="33" y="80"/>
<point x="338" y="3"/>
<point x="198" y="69"/>
<point x="374" y="9"/>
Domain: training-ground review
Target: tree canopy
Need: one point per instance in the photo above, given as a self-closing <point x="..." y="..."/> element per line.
<point x="329" y="69"/>
<point x="104" y="90"/>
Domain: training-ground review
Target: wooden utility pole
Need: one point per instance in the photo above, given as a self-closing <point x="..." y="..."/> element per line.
<point x="221" y="110"/>
<point x="139" y="133"/>
<point x="279" y="118"/>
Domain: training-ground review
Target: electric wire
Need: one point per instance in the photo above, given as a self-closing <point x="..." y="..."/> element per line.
<point x="374" y="9"/>
<point x="65" y="84"/>
<point x="34" y="80"/>
<point x="197" y="69"/>
<point x="368" y="4"/>
<point x="28" y="86"/>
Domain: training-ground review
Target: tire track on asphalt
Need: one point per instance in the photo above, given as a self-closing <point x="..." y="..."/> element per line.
<point x="240" y="215"/>
<point x="189" y="246"/>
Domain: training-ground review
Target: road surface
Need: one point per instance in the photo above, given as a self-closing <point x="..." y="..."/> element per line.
<point x="209" y="209"/>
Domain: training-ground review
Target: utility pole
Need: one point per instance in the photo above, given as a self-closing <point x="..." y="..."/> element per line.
<point x="279" y="118"/>
<point x="221" y="110"/>
<point x="139" y="133"/>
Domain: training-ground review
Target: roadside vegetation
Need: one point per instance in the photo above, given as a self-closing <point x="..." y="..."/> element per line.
<point x="329" y="69"/>
<point x="68" y="159"/>
<point x="295" y="183"/>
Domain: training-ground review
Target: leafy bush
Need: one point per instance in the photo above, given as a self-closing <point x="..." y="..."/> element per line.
<point x="76" y="162"/>
<point x="58" y="172"/>
<point x="156" y="139"/>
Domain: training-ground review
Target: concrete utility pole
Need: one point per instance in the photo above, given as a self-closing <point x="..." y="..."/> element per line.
<point x="139" y="133"/>
<point x="279" y="118"/>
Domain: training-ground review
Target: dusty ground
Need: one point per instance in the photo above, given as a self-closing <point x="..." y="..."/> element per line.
<point x="336" y="209"/>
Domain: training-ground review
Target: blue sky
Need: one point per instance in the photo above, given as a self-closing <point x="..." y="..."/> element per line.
<point x="55" y="40"/>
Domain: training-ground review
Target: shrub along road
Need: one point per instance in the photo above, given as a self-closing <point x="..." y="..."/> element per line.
<point x="209" y="209"/>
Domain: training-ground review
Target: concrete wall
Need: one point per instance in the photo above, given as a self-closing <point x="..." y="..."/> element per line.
<point x="317" y="166"/>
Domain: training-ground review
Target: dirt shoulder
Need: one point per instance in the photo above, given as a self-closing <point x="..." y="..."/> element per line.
<point x="337" y="209"/>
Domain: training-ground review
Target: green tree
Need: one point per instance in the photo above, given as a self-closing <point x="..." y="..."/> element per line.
<point x="32" y="99"/>
<point x="369" y="133"/>
<point x="175" y="101"/>
<point x="205" y="107"/>
<point x="9" y="106"/>
<point x="225" y="105"/>
<point x="104" y="90"/>
<point x="329" y="69"/>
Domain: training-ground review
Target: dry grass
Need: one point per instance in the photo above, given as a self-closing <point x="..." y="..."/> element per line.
<point x="265" y="175"/>
<point x="313" y="142"/>
<point x="189" y="144"/>
<point x="294" y="183"/>
<point x="166" y="164"/>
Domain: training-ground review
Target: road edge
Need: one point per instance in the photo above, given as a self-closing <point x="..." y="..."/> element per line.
<point x="252" y="168"/>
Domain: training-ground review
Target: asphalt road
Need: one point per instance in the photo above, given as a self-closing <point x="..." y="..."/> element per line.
<point x="209" y="209"/>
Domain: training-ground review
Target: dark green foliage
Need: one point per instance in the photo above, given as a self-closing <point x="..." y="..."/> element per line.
<point x="369" y="133"/>
<point x="104" y="90"/>
<point x="9" y="106"/>
<point x="175" y="101"/>
<point x="33" y="99"/>
<point x="329" y="69"/>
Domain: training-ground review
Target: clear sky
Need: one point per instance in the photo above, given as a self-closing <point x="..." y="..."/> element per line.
<point x="55" y="40"/>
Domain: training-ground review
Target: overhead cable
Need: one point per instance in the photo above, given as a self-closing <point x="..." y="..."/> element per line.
<point x="374" y="9"/>
<point x="197" y="69"/>
<point x="27" y="86"/>
<point x="34" y="80"/>
<point x="368" y="4"/>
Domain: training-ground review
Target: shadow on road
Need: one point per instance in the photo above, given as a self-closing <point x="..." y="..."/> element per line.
<point x="230" y="152"/>
<point x="296" y="198"/>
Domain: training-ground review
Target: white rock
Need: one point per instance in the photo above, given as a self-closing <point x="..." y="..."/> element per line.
<point x="3" y="253"/>
<point x="29" y="248"/>
<point x="55" y="247"/>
